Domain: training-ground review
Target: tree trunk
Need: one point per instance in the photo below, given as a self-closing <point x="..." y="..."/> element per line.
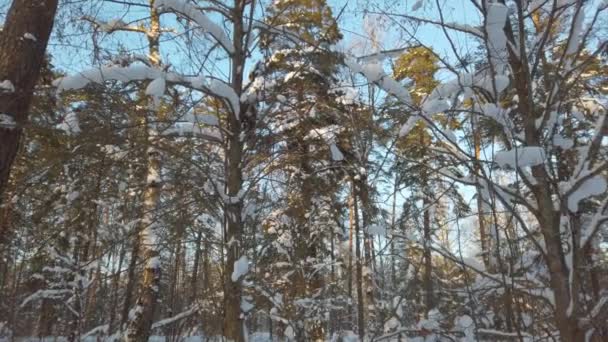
<point x="351" y="231"/>
<point x="483" y="234"/>
<point x="393" y="257"/>
<point x="359" y="267"/>
<point x="23" y="42"/>
<point x="131" y="281"/>
<point x="368" y="274"/>
<point x="145" y="307"/>
<point x="233" y="323"/>
<point x="143" y="313"/>
<point x="195" y="267"/>
<point x="115" y="287"/>
<point x="566" y="315"/>
<point x="429" y="301"/>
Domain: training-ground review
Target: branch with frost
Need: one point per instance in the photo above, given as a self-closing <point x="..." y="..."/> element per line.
<point x="597" y="309"/>
<point x="452" y="26"/>
<point x="223" y="90"/>
<point x="381" y="55"/>
<point x="520" y="284"/>
<point x="374" y="73"/>
<point x="592" y="228"/>
<point x="588" y="184"/>
<point x="196" y="14"/>
<point x="45" y="294"/>
<point x="492" y="333"/>
<point x="182" y="129"/>
<point x="507" y="197"/>
<point x="126" y="74"/>
<point x="156" y="89"/>
<point x="99" y="330"/>
<point x="115" y="25"/>
<point x="591" y="150"/>
<point x="182" y="315"/>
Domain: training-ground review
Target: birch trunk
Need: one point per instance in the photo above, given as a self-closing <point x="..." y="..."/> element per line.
<point x="142" y="314"/>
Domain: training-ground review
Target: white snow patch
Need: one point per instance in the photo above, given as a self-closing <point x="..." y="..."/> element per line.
<point x="376" y="229"/>
<point x="391" y="324"/>
<point x="30" y="36"/>
<point x="336" y="154"/>
<point x="497" y="40"/>
<point x="192" y="128"/>
<point x="575" y="34"/>
<point x="521" y="157"/>
<point x="7" y="86"/>
<point x="208" y="119"/>
<point x="246" y="306"/>
<point x="223" y="90"/>
<point x="99" y="75"/>
<point x="241" y="267"/>
<point x="408" y="126"/>
<point x="70" y="123"/>
<point x="72" y="196"/>
<point x="153" y="177"/>
<point x="373" y="71"/>
<point x="194" y="13"/>
<point x="434" y="106"/>
<point x="156" y="89"/>
<point x="154" y="263"/>
<point x="591" y="187"/>
<point x="7" y="121"/>
<point x="289" y="333"/>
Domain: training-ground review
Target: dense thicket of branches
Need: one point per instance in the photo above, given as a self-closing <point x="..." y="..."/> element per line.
<point x="230" y="170"/>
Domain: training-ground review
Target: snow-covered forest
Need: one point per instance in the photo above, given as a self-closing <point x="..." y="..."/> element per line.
<point x="304" y="170"/>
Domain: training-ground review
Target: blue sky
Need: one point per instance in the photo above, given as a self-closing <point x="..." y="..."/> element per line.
<point x="72" y="57"/>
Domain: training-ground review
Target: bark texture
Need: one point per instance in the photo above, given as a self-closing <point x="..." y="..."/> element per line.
<point x="23" y="42"/>
<point x="142" y="316"/>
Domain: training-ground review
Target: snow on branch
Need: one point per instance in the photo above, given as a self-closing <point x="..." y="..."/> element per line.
<point x="241" y="267"/>
<point x="156" y="88"/>
<point x="497" y="40"/>
<point x="195" y="14"/>
<point x="163" y="322"/>
<point x="375" y="74"/>
<point x="589" y="230"/>
<point x="99" y="330"/>
<point x="45" y="294"/>
<point x="223" y="90"/>
<point x="194" y="129"/>
<point x="467" y="82"/>
<point x="520" y="157"/>
<point x="113" y="25"/>
<point x="105" y="73"/>
<point x="591" y="186"/>
<point x="7" y="86"/>
<point x="465" y="28"/>
<point x="7" y="121"/>
<point x="381" y="55"/>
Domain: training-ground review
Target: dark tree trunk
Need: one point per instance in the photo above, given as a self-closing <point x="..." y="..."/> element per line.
<point x="23" y="42"/>
<point x="359" y="269"/>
